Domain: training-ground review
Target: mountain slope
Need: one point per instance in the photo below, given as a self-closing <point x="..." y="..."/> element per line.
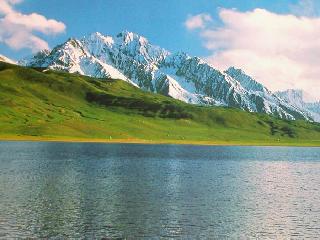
<point x="41" y="104"/>
<point x="6" y="59"/>
<point x="297" y="97"/>
<point x="132" y="58"/>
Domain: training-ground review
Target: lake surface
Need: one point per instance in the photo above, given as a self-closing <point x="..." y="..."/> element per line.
<point x="123" y="191"/>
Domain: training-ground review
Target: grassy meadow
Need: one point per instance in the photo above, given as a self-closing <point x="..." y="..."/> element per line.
<point x="57" y="106"/>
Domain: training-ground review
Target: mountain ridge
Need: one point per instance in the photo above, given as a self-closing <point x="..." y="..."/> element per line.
<point x="130" y="57"/>
<point x="296" y="97"/>
<point x="39" y="104"/>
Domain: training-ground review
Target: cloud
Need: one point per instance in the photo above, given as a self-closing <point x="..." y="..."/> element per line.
<point x="280" y="51"/>
<point x="6" y="6"/>
<point x="198" y="21"/>
<point x="17" y="30"/>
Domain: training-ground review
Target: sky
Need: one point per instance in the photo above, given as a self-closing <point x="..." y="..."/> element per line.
<point x="276" y="42"/>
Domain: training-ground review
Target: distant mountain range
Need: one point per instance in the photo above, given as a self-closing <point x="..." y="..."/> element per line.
<point x="132" y="58"/>
<point x="299" y="99"/>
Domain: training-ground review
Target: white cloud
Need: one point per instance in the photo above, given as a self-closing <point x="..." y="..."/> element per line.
<point x="198" y="21"/>
<point x="17" y="30"/>
<point x="280" y="51"/>
<point x="6" y="6"/>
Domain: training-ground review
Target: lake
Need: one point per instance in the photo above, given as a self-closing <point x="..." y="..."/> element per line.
<point x="136" y="191"/>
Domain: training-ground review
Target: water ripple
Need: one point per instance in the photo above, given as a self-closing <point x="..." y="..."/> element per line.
<point x="119" y="191"/>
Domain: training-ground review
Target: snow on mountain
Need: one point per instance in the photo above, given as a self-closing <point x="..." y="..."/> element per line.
<point x="246" y="81"/>
<point x="6" y="59"/>
<point x="293" y="96"/>
<point x="314" y="109"/>
<point x="132" y="58"/>
<point x="300" y="99"/>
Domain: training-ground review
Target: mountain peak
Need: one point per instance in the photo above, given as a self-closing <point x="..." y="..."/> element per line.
<point x="296" y="92"/>
<point x="98" y="38"/>
<point x="128" y="37"/>
<point x="237" y="70"/>
<point x="131" y="57"/>
<point x="96" y="35"/>
<point x="301" y="100"/>
<point x="297" y="95"/>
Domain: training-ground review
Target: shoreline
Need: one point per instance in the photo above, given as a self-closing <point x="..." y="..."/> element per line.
<point x="153" y="142"/>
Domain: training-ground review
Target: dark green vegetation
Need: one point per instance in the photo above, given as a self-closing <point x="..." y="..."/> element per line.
<point x="62" y="106"/>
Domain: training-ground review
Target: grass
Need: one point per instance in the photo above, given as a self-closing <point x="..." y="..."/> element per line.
<point x="51" y="105"/>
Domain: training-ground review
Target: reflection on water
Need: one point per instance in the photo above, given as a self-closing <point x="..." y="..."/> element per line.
<point x="81" y="190"/>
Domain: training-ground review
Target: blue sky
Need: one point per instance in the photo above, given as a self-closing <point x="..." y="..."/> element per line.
<point x="275" y="41"/>
<point x="161" y="21"/>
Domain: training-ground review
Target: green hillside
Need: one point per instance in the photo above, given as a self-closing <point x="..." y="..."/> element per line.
<point x="52" y="105"/>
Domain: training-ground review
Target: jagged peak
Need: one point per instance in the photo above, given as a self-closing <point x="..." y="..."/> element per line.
<point x="292" y="91"/>
<point x="298" y="94"/>
<point x="132" y="57"/>
<point x="42" y="53"/>
<point x="200" y="61"/>
<point x="69" y="45"/>
<point x="72" y="40"/>
<point x="127" y="37"/>
<point x="98" y="37"/>
<point x="93" y="36"/>
<point x="124" y="36"/>
<point x="237" y="70"/>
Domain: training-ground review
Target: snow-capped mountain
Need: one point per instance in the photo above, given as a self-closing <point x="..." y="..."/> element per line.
<point x="300" y="99"/>
<point x="132" y="58"/>
<point x="6" y="59"/>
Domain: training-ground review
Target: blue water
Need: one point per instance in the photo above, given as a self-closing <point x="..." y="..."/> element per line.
<point x="123" y="191"/>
